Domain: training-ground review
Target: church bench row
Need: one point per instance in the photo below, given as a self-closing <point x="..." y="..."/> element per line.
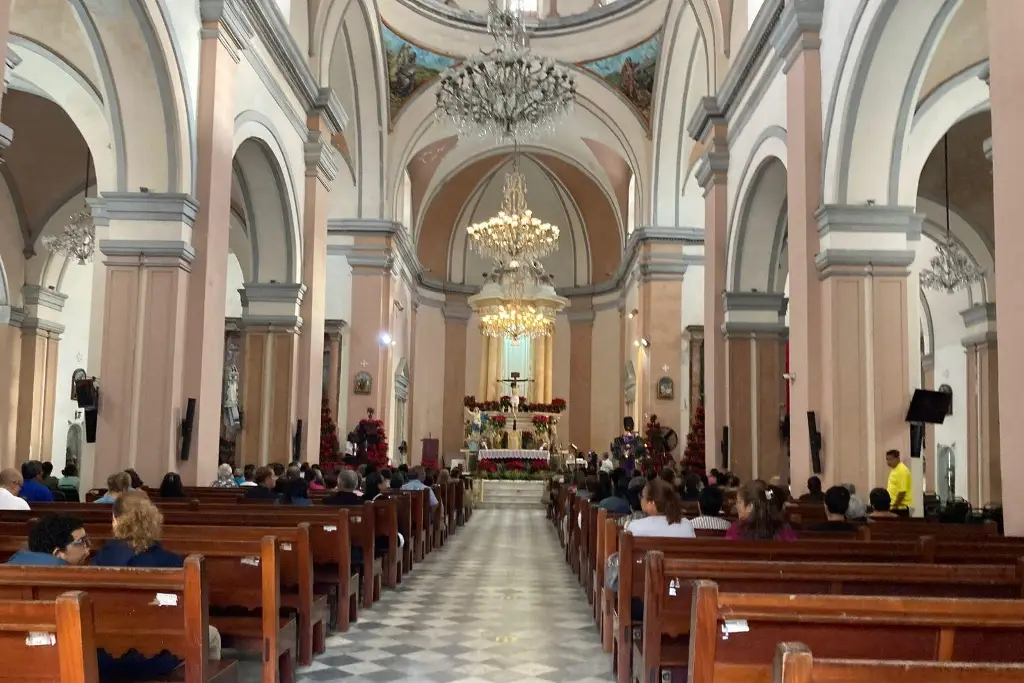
<point x="147" y="610"/>
<point x="48" y="641"/>
<point x="733" y="636"/>
<point x="795" y="663"/>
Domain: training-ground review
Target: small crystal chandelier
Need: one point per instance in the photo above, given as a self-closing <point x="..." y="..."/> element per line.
<point x="78" y="238"/>
<point x="515" y="320"/>
<point x="506" y="93"/>
<point x="515" y="237"/>
<point x="508" y="309"/>
<point x="951" y="269"/>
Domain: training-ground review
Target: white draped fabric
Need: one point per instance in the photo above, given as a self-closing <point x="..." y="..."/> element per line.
<point x="507" y="454"/>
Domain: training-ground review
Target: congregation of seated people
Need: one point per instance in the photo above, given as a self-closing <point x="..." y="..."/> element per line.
<point x="133" y="536"/>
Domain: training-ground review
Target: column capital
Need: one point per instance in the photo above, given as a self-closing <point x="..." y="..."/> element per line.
<point x="40" y="327"/>
<point x="694" y="333"/>
<point x="286" y="293"/>
<point x="272" y="305"/>
<point x="798" y="30"/>
<point x="327" y="106"/>
<point x="755" y="331"/>
<point x="458" y="312"/>
<point x="980" y="323"/>
<point x="334" y="328"/>
<point x="707" y="121"/>
<point x="984" y="338"/>
<point x="319" y="155"/>
<point x="226" y="21"/>
<point x="271" y="324"/>
<point x="773" y="303"/>
<point x="863" y="262"/>
<point x="147" y="207"/>
<point x="35" y="296"/>
<point x="870" y="229"/>
<point x="581" y="316"/>
<point x="712" y="169"/>
<point x="151" y="253"/>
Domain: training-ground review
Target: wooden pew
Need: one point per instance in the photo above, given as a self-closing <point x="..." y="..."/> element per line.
<point x="33" y="632"/>
<point x="127" y="614"/>
<point x="795" y="664"/>
<point x="668" y="597"/>
<point x="846" y="627"/>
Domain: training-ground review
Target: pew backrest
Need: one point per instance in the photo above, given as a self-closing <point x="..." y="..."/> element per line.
<point x="48" y="641"/>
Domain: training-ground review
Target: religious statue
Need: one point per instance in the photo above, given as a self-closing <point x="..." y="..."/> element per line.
<point x="476" y="421"/>
<point x="513" y="381"/>
<point x="231" y="396"/>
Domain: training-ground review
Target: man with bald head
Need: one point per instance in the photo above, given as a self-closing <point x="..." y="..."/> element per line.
<point x="10" y="484"/>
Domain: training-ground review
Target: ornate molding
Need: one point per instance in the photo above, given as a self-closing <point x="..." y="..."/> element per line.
<point x="705" y="119"/>
<point x="287" y="293"/>
<point x="458" y="312"/>
<point x="152" y="253"/>
<point x="712" y="169"/>
<point x="319" y="155"/>
<point x="36" y="296"/>
<point x="864" y="262"/>
<point x="979" y="314"/>
<point x="148" y="206"/>
<point x="581" y="317"/>
<point x="797" y="30"/>
<point x="754" y="50"/>
<point x="870" y="218"/>
<point x="226" y="21"/>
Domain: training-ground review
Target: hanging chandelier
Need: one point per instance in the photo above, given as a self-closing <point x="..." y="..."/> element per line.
<point x="78" y="238"/>
<point x="515" y="237"/>
<point x="507" y="309"/>
<point x="951" y="269"/>
<point x="506" y="93"/>
<point x="515" y="320"/>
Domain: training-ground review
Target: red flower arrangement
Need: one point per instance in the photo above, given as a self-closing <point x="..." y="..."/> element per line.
<point x="557" y="405"/>
<point x="541" y="423"/>
<point x="487" y="466"/>
<point x="498" y="420"/>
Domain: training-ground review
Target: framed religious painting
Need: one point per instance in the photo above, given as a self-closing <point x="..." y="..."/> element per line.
<point x="666" y="388"/>
<point x="362" y="384"/>
<point x="76" y="376"/>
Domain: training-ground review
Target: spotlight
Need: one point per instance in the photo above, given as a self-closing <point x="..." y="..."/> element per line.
<point x="645" y="342"/>
<point x="633" y="313"/>
<point x="636" y="343"/>
<point x="385" y="338"/>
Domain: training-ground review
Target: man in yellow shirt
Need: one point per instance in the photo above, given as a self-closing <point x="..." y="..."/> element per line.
<point x="899" y="484"/>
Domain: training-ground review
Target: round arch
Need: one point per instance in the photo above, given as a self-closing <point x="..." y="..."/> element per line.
<point x="350" y="59"/>
<point x="757" y="221"/>
<point x="270" y="195"/>
<point x="881" y="81"/>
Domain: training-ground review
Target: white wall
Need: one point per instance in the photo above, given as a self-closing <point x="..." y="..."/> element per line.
<point x="73" y="353"/>
<point x="236" y="280"/>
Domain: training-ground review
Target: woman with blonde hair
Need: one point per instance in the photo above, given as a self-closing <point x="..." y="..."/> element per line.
<point x="117" y="484"/>
<point x="137" y="525"/>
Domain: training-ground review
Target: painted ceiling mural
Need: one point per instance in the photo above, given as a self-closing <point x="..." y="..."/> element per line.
<point x="632" y="73"/>
<point x="410" y="68"/>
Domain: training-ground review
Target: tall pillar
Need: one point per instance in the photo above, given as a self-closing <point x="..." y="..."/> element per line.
<point x="333" y="339"/>
<point x="928" y="382"/>
<point x="663" y="327"/>
<point x="549" y="355"/>
<point x="372" y="296"/>
<point x="456" y="319"/>
<point x="755" y="342"/>
<point x="709" y="127"/>
<point x="224" y="33"/>
<point x="321" y="170"/>
<point x="481" y="385"/>
<point x="493" y="367"/>
<point x="1006" y="52"/>
<point x="581" y="344"/>
<point x="37" y="383"/>
<point x="865" y="373"/>
<point x="539" y="365"/>
<point x="10" y="371"/>
<point x="984" y="484"/>
<point x="148" y="258"/>
<point x="797" y="42"/>
<point x="272" y="324"/>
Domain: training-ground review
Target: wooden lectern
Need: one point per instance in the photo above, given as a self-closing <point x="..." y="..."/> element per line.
<point x="431" y="447"/>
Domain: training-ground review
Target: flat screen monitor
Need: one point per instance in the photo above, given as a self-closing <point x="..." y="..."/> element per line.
<point x="929" y="407"/>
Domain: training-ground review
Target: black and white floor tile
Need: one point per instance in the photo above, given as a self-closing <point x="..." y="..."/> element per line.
<point x="498" y="604"/>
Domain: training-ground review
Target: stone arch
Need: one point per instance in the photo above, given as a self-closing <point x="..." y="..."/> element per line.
<point x="688" y="48"/>
<point x="141" y="97"/>
<point x="270" y="194"/>
<point x="758" y="224"/>
<point x="892" y="44"/>
<point x="350" y="59"/>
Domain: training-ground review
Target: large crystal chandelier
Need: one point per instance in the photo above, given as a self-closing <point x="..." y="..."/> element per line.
<point x="515" y="320"/>
<point x="515" y="237"/>
<point x="78" y="238"/>
<point x="506" y="93"/>
<point x="506" y="309"/>
<point x="951" y="269"/>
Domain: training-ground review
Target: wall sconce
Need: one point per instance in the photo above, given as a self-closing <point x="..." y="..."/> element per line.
<point x="385" y="339"/>
<point x="634" y="313"/>
<point x="645" y="342"/>
<point x="398" y="305"/>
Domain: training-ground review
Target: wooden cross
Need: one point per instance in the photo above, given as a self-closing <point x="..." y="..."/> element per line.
<point x="514" y="381"/>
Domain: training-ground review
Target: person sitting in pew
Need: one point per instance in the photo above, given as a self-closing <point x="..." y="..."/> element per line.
<point x="10" y="486"/>
<point x="225" y="477"/>
<point x="296" y="492"/>
<point x="814" y="493"/>
<point x="32" y="487"/>
<point x="281" y="473"/>
<point x="49" y="481"/>
<point x="135" y="480"/>
<point x="266" y="483"/>
<point x="248" y="472"/>
<point x="617" y="503"/>
<point x="346" y="493"/>
<point x="137" y="525"/>
<point x="315" y="479"/>
<point x="70" y="479"/>
<point x="415" y="483"/>
<point x="171" y="486"/>
<point x="117" y="484"/>
<point x="54" y="540"/>
<point x="376" y="486"/>
<point x="710" y="505"/>
<point x="880" y="504"/>
<point x="664" y="513"/>
<point x="758" y="519"/>
<point x="837" y="502"/>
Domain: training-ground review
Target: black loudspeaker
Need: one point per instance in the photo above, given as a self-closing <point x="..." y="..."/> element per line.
<point x="297" y="442"/>
<point x="186" y="429"/>
<point x="628" y="424"/>
<point x="87" y="394"/>
<point x="930" y="407"/>
<point x="725" y="447"/>
<point x="916" y="439"/>
<point x="815" y="441"/>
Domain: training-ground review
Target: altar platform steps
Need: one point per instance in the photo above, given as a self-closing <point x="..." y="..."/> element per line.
<point x="528" y="495"/>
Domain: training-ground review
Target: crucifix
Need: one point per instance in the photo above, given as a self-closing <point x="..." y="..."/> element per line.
<point x="514" y="381"/>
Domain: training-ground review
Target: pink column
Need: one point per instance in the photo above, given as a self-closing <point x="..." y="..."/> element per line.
<point x="143" y="343"/>
<point x="1006" y="55"/>
<point x="223" y="35"/>
<point x="334" y="341"/>
<point x="321" y="170"/>
<point x="456" y="320"/>
<point x="40" y="342"/>
<point x="983" y="452"/>
<point x="708" y="126"/>
<point x="796" y="41"/>
<point x="581" y="345"/>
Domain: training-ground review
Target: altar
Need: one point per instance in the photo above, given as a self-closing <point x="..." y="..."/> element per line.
<point x="512" y="454"/>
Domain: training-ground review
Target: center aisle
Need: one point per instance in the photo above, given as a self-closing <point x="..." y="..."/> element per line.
<point x="502" y="607"/>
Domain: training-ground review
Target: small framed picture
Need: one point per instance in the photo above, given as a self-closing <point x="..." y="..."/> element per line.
<point x="362" y="384"/>
<point x="666" y="388"/>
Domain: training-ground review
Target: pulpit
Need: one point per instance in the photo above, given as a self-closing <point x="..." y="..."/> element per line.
<point x="431" y="447"/>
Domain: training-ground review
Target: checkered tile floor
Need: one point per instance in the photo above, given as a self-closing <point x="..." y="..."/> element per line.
<point x="498" y="604"/>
